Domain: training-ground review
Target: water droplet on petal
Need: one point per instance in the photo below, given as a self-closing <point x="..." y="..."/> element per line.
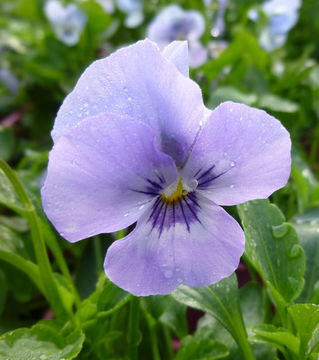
<point x="232" y="164"/>
<point x="126" y="214"/>
<point x="168" y="274"/>
<point x="179" y="280"/>
<point x="232" y="186"/>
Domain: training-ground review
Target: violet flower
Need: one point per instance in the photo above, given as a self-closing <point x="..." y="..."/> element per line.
<point x="174" y="23"/>
<point x="133" y="10"/>
<point x="133" y="142"/>
<point x="68" y="22"/>
<point x="282" y="16"/>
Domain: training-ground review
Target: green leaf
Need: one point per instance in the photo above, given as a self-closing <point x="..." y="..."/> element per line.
<point x="8" y="197"/>
<point x="280" y="338"/>
<point x="276" y="103"/>
<point x="306" y="320"/>
<point x="272" y="248"/>
<point x="111" y="298"/>
<point x="47" y="340"/>
<point x="226" y="93"/>
<point x="106" y="299"/>
<point x="307" y="227"/>
<point x="7" y="143"/>
<point x="3" y="291"/>
<point x="205" y="349"/>
<point x="251" y="302"/>
<point x="157" y="305"/>
<point x="221" y="300"/>
<point x="175" y="318"/>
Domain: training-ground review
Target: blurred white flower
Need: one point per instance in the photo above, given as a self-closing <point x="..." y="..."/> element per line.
<point x="174" y="23"/>
<point x="68" y="21"/>
<point x="134" y="11"/>
<point x="282" y="16"/>
<point x="107" y="5"/>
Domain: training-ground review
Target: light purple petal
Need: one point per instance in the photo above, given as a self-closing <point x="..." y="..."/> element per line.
<point x="202" y="246"/>
<point x="140" y="82"/>
<point x="197" y="54"/>
<point x="177" y="53"/>
<point x="241" y="154"/>
<point x="101" y="174"/>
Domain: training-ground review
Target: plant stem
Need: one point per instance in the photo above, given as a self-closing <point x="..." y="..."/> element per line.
<point x="51" y="291"/>
<point x="243" y="343"/>
<point x="133" y="328"/>
<point x="98" y="254"/>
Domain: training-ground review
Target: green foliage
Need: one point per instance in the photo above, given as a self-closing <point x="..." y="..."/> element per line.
<point x="47" y="340"/>
<point x="272" y="317"/>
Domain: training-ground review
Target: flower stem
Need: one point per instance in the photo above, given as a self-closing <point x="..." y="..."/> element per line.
<point x="51" y="291"/>
<point x="133" y="328"/>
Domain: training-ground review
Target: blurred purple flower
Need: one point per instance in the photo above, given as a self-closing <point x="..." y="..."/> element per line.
<point x="134" y="11"/>
<point x="174" y="23"/>
<point x="68" y="22"/>
<point x="135" y="143"/>
<point x="9" y="80"/>
<point x="282" y="16"/>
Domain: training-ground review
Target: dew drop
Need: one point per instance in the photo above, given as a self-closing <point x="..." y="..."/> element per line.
<point x="179" y="280"/>
<point x="86" y="104"/>
<point x="168" y="274"/>
<point x="279" y="231"/>
<point x="129" y="99"/>
<point x="141" y="207"/>
<point x="232" y="164"/>
<point x="125" y="89"/>
<point x="232" y="186"/>
<point x="126" y="214"/>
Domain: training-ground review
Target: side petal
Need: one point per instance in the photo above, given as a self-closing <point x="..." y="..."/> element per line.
<point x="138" y="81"/>
<point x="193" y="242"/>
<point x="101" y="174"/>
<point x="177" y="53"/>
<point x="241" y="154"/>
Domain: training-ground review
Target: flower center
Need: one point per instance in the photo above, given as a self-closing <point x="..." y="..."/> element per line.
<point x="177" y="190"/>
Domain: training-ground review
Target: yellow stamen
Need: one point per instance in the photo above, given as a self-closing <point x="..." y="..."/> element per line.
<point x="177" y="195"/>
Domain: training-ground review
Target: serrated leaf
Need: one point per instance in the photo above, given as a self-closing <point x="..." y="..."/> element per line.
<point x="280" y="338"/>
<point x="273" y="249"/>
<point x="306" y="320"/>
<point x="221" y="300"/>
<point x="307" y="227"/>
<point x="205" y="349"/>
<point x="47" y="340"/>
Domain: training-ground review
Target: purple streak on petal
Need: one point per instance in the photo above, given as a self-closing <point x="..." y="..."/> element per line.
<point x="155" y="261"/>
<point x="250" y="151"/>
<point x="140" y="82"/>
<point x="177" y="53"/>
<point x="90" y="181"/>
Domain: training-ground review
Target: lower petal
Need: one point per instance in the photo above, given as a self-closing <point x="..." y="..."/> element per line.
<point x="193" y="242"/>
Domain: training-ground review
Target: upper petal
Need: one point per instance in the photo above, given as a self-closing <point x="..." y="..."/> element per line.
<point x="193" y="242"/>
<point x="101" y="174"/>
<point x="140" y="82"/>
<point x="177" y="53"/>
<point x="241" y="154"/>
